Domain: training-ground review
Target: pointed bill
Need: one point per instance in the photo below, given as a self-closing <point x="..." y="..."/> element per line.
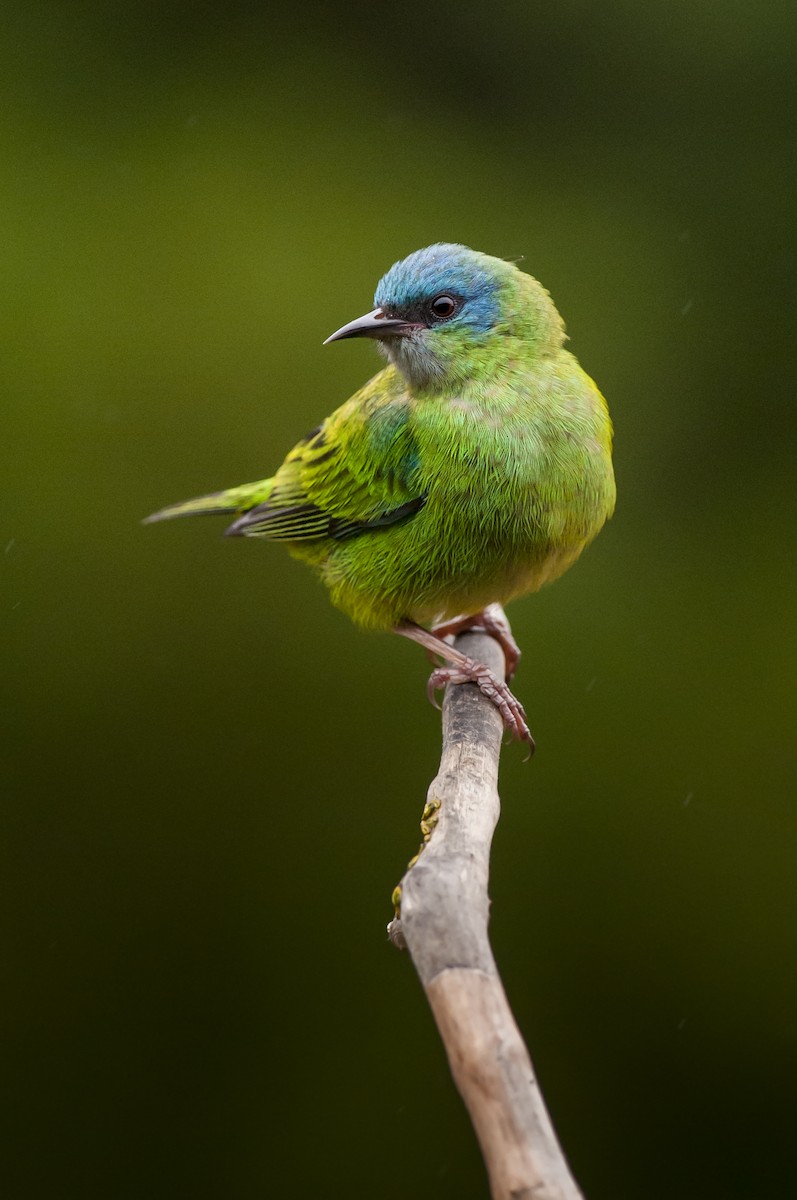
<point x="374" y="324"/>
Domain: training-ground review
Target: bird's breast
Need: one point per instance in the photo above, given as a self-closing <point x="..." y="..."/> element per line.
<point x="524" y="475"/>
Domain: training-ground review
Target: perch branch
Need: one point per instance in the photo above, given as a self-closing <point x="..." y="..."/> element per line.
<point x="443" y="924"/>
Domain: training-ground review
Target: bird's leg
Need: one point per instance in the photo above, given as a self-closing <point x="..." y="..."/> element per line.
<point x="492" y="620"/>
<point x="465" y="670"/>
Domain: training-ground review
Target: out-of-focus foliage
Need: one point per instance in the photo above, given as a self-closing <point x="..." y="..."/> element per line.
<point x="211" y="781"/>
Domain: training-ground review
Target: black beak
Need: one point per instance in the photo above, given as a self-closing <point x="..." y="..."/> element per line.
<point x="374" y="324"/>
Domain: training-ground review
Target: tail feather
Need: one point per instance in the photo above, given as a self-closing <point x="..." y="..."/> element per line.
<point x="233" y="500"/>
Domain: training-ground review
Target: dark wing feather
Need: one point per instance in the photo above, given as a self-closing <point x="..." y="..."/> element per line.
<point x="357" y="472"/>
<point x="305" y="521"/>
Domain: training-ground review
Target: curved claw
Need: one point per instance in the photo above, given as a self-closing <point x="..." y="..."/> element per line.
<point x="512" y="712"/>
<point x="438" y="679"/>
<point x="461" y="669"/>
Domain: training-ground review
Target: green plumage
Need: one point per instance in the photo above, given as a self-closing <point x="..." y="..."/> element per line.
<point x="473" y="469"/>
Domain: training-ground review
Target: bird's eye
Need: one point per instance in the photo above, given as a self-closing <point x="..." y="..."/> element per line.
<point x="443" y="307"/>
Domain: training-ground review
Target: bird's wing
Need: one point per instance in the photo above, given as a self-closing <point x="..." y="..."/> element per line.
<point x="358" y="471"/>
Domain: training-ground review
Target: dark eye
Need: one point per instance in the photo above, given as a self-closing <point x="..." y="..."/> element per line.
<point x="443" y="307"/>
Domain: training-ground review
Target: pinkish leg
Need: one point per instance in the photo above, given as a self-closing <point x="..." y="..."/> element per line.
<point x="492" y="620"/>
<point x="465" y="670"/>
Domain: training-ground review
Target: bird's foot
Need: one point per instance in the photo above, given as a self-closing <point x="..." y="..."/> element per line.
<point x="462" y="669"/>
<point x="488" y="683"/>
<point x="491" y="620"/>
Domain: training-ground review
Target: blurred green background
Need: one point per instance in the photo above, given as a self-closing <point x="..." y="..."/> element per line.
<point x="212" y="780"/>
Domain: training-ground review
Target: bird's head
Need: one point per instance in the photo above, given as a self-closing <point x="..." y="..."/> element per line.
<point x="442" y="312"/>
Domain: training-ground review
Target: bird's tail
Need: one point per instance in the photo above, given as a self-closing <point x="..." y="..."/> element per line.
<point x="233" y="500"/>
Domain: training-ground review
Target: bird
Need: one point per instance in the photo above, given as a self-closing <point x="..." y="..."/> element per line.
<point x="474" y="468"/>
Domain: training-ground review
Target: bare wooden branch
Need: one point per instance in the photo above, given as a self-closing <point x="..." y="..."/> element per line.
<point x="443" y="923"/>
